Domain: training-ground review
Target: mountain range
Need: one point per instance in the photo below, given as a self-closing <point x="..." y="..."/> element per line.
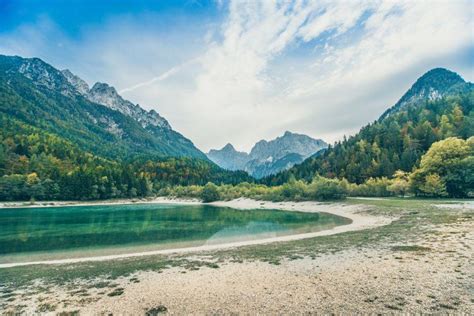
<point x="268" y="157"/>
<point x="96" y="119"/>
<point x="60" y="137"/>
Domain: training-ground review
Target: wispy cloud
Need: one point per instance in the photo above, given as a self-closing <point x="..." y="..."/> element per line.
<point x="163" y="76"/>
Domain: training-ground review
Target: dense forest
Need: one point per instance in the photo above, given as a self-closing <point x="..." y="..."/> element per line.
<point x="38" y="165"/>
<point x="446" y="170"/>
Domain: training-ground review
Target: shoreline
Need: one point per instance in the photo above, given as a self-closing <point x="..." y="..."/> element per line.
<point x="352" y="212"/>
<point x="39" y="204"/>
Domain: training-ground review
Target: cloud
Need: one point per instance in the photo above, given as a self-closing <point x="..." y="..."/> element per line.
<point x="250" y="81"/>
<point x="259" y="68"/>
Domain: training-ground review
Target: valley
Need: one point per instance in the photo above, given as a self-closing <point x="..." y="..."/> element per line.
<point x="209" y="157"/>
<point x="105" y="200"/>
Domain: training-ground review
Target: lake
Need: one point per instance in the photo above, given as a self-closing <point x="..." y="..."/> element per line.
<point x="32" y="234"/>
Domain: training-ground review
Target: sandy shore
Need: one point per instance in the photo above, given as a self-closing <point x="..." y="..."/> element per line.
<point x="353" y="212"/>
<point x="158" y="200"/>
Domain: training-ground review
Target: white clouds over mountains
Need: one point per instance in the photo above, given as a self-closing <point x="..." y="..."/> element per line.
<point x="261" y="67"/>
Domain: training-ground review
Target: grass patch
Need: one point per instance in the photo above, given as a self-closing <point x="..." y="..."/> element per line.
<point x="413" y="248"/>
<point x="46" y="307"/>
<point x="160" y="309"/>
<point x="117" y="292"/>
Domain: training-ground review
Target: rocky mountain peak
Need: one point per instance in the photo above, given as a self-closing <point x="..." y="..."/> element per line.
<point x="65" y="82"/>
<point x="228" y="147"/>
<point x="81" y="86"/>
<point x="44" y="75"/>
<point x="432" y="85"/>
<point x="286" y="144"/>
<point x="228" y="157"/>
<point x="268" y="157"/>
<point x="107" y="95"/>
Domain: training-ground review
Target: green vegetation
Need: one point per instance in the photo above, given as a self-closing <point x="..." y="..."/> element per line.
<point x="210" y="193"/>
<point x="446" y="170"/>
<point x="43" y="166"/>
<point x="294" y="190"/>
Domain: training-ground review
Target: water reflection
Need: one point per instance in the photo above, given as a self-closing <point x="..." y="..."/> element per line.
<point x="85" y="228"/>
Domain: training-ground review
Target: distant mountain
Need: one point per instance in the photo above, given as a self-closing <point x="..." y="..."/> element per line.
<point x="438" y="105"/>
<point x="268" y="157"/>
<point x="228" y="158"/>
<point x="97" y="119"/>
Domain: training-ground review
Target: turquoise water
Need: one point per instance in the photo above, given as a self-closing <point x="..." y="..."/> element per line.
<point x="28" y="234"/>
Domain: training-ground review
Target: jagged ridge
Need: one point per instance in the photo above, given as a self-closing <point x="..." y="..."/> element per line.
<point x="268" y="157"/>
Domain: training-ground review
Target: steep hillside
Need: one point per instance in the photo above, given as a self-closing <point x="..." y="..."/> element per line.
<point x="437" y="106"/>
<point x="433" y="85"/>
<point x="35" y="164"/>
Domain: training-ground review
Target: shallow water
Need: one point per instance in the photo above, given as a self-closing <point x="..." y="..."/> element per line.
<point x="29" y="234"/>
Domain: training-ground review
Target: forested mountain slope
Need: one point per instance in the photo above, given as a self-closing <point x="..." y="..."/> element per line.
<point x="439" y="105"/>
<point x="37" y="94"/>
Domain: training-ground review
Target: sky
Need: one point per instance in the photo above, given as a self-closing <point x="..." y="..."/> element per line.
<point x="240" y="71"/>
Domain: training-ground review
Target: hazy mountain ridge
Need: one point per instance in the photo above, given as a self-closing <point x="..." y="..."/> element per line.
<point x="268" y="157"/>
<point x="228" y="158"/>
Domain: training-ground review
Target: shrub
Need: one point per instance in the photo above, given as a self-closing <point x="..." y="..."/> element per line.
<point x="210" y="193"/>
<point x="326" y="189"/>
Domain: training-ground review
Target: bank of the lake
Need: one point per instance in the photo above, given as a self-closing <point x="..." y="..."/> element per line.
<point x="418" y="262"/>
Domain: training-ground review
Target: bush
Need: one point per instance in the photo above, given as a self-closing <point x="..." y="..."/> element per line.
<point x="378" y="187"/>
<point x="210" y="193"/>
<point x="326" y="189"/>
